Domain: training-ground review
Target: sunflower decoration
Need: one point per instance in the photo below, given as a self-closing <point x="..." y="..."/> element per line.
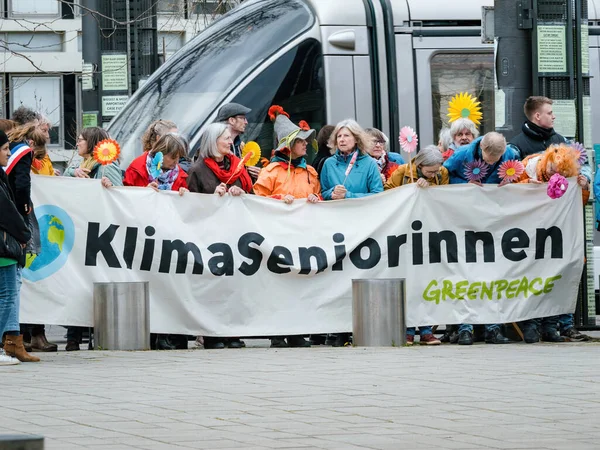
<point x="107" y="151"/>
<point x="253" y="148"/>
<point x="408" y="139"/>
<point x="156" y="165"/>
<point x="476" y="170"/>
<point x="511" y="170"/>
<point x="465" y="106"/>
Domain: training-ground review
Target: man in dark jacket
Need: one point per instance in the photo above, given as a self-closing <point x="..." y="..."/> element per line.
<point x="538" y="132"/>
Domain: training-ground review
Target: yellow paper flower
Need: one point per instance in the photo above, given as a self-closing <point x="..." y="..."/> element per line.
<point x="465" y="106"/>
<point x="255" y="149"/>
<point x="106" y="151"/>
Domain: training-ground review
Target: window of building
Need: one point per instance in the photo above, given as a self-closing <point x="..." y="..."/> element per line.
<point x="452" y="73"/>
<point x="34" y="42"/>
<point x="2" y="97"/>
<point x="169" y="43"/>
<point x="34" y="7"/>
<point x="169" y="6"/>
<point x="43" y="94"/>
<point x="209" y="7"/>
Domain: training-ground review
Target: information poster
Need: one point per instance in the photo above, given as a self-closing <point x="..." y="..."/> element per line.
<point x="87" y="77"/>
<point x="552" y="49"/>
<point x="566" y="117"/>
<point x="112" y="104"/>
<point x="90" y="119"/>
<point x="114" y="72"/>
<point x="585" y="49"/>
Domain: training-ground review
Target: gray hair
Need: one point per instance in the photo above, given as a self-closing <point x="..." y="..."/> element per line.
<point x="493" y="143"/>
<point x="463" y="124"/>
<point x="355" y="129"/>
<point x="445" y="138"/>
<point x="208" y="141"/>
<point x="429" y="156"/>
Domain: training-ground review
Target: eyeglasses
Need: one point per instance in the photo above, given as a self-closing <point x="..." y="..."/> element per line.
<point x="79" y="139"/>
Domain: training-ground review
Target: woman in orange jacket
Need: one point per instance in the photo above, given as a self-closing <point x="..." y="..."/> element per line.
<point x="287" y="178"/>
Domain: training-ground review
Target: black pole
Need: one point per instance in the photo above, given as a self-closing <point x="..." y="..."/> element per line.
<point x="90" y="29"/>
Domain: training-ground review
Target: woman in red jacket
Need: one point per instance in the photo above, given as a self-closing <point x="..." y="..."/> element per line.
<point x="159" y="169"/>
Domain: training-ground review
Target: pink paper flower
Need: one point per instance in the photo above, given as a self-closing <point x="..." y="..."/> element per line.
<point x="511" y="170"/>
<point x="557" y="186"/>
<point x="408" y="139"/>
<point x="476" y="170"/>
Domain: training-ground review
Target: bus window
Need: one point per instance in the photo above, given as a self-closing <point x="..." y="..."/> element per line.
<point x="295" y="82"/>
<point x="452" y="73"/>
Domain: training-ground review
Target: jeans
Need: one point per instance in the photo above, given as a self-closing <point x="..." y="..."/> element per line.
<point x="9" y="298"/>
<point x="550" y="324"/>
<point x="410" y="331"/>
<point x="468" y="327"/>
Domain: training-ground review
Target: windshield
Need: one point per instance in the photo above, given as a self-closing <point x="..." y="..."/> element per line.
<point x="192" y="84"/>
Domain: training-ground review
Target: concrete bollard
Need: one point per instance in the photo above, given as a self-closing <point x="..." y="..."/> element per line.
<point x="378" y="312"/>
<point x="122" y="316"/>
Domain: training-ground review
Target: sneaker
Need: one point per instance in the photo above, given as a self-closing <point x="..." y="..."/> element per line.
<point x="531" y="335"/>
<point x="465" y="338"/>
<point x="410" y="339"/>
<point x="429" y="339"/>
<point x="552" y="336"/>
<point x="573" y="335"/>
<point x="6" y="360"/>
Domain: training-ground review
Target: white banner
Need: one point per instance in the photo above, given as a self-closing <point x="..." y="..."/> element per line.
<point x="254" y="266"/>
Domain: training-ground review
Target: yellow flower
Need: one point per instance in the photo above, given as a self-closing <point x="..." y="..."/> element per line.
<point x="254" y="148"/>
<point x="465" y="106"/>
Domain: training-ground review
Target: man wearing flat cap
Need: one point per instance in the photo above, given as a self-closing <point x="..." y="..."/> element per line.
<point x="234" y="116"/>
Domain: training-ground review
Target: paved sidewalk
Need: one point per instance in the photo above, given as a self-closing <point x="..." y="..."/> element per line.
<point x="518" y="396"/>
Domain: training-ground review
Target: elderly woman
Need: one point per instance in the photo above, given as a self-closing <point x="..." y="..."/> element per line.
<point x="89" y="168"/>
<point x="378" y="150"/>
<point x="427" y="170"/>
<point x="162" y="172"/>
<point x="214" y="172"/>
<point x="348" y="138"/>
<point x="16" y="234"/>
<point x="288" y="177"/>
<point x="363" y="179"/>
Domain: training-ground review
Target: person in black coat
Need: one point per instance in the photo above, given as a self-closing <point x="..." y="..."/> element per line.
<point x="14" y="235"/>
<point x="537" y="132"/>
<point x="19" y="178"/>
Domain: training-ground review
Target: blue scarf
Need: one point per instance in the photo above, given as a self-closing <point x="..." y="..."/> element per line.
<point x="166" y="178"/>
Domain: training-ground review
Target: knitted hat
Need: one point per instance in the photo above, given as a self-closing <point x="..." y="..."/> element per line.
<point x="287" y="132"/>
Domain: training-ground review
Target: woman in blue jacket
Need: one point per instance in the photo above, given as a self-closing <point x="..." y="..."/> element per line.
<point x="364" y="179"/>
<point x="349" y="139"/>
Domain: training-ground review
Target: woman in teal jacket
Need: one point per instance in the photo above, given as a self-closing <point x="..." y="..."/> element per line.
<point x="364" y="179"/>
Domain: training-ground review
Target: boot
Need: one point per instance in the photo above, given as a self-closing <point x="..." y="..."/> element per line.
<point x="39" y="343"/>
<point x="13" y="346"/>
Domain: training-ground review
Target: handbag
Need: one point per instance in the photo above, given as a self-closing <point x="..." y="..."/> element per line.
<point x="10" y="247"/>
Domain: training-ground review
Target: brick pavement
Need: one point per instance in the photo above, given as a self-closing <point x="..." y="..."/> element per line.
<point x="518" y="396"/>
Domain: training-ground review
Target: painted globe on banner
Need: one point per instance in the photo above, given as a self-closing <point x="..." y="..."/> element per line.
<point x="57" y="235"/>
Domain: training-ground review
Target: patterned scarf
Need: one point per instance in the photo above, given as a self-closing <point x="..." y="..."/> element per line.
<point x="167" y="177"/>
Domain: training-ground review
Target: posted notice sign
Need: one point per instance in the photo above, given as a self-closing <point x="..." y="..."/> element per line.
<point x="112" y="104"/>
<point x="114" y="72"/>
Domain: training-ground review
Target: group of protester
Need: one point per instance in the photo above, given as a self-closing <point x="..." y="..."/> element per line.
<point x="165" y="164"/>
